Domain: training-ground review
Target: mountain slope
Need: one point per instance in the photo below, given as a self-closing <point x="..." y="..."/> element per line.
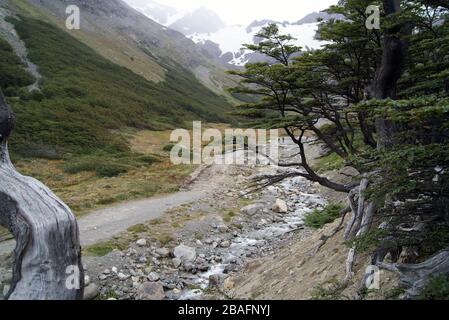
<point x="86" y="100"/>
<point x="130" y="39"/>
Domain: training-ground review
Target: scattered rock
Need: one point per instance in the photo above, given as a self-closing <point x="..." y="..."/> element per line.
<point x="86" y="280"/>
<point x="214" y="280"/>
<point x="150" y="291"/>
<point x="103" y="277"/>
<point x="141" y="242"/>
<point x="280" y="206"/>
<point x="252" y="209"/>
<point x="153" y="277"/>
<point x="185" y="253"/>
<point x="189" y="267"/>
<point x="6" y="289"/>
<point x="91" y="292"/>
<point x="122" y="276"/>
<point x="228" y="284"/>
<point x="225" y="244"/>
<point x="163" y="252"/>
<point x="176" y="262"/>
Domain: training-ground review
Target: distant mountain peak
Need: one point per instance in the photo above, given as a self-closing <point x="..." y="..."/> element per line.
<point x="315" y="16"/>
<point x="202" y="20"/>
<point x="260" y="23"/>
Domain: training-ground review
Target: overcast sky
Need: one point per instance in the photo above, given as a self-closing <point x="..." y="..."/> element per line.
<point x="246" y="11"/>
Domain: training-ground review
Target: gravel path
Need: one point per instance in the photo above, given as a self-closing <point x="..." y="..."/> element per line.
<point x="101" y="225"/>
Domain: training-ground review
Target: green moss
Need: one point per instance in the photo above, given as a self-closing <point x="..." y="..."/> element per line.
<point x="102" y="249"/>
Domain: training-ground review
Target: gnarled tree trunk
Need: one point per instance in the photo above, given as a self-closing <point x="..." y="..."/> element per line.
<point x="47" y="258"/>
<point x="416" y="276"/>
<point x="393" y="58"/>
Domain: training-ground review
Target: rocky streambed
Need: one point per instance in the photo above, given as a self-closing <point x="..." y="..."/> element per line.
<point x="206" y="252"/>
<point x="225" y="230"/>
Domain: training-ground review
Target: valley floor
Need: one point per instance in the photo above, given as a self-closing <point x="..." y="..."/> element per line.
<point x="211" y="241"/>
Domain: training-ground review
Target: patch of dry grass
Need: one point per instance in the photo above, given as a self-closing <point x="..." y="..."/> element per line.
<point x="85" y="191"/>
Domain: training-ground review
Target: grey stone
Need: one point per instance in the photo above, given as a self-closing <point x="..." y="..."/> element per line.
<point x="163" y="252"/>
<point x="280" y="206"/>
<point x="91" y="292"/>
<point x="86" y="280"/>
<point x="176" y="262"/>
<point x="225" y="244"/>
<point x="214" y="280"/>
<point x="123" y="276"/>
<point x="185" y="253"/>
<point x="150" y="291"/>
<point x="141" y="242"/>
<point x="154" y="276"/>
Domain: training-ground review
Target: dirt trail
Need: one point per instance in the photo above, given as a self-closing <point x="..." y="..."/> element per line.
<point x="103" y="224"/>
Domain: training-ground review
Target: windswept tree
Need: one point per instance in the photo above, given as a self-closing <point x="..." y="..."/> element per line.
<point x="384" y="96"/>
<point x="47" y="258"/>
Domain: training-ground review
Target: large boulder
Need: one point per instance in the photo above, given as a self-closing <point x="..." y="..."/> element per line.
<point x="280" y="206"/>
<point x="150" y="291"/>
<point x="185" y="254"/>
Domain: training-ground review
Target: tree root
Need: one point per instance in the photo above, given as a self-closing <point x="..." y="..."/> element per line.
<point x="415" y="276"/>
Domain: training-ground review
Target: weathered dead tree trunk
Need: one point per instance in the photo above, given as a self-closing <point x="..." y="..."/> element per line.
<point x="360" y="222"/>
<point x="47" y="258"/>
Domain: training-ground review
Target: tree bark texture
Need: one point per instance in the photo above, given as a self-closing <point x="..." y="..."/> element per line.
<point x="47" y="258"/>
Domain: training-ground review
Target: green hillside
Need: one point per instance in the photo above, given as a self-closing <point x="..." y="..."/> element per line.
<point x="85" y="98"/>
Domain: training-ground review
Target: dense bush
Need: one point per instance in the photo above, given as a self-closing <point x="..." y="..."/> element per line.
<point x="12" y="73"/>
<point x="319" y="218"/>
<point x="436" y="288"/>
<point x="108" y="165"/>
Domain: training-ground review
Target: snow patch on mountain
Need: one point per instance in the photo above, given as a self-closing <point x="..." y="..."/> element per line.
<point x="231" y="39"/>
<point x="225" y="43"/>
<point x="162" y="14"/>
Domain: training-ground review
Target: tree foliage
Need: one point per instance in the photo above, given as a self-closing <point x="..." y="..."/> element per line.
<point x="297" y="92"/>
